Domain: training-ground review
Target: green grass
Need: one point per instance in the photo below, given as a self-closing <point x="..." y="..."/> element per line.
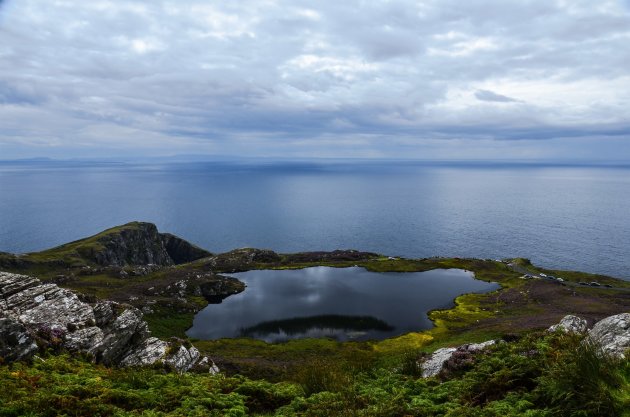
<point x="72" y="253"/>
<point x="164" y="323"/>
<point x="540" y="375"/>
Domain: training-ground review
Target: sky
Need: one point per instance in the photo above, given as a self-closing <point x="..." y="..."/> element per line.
<point x="447" y="79"/>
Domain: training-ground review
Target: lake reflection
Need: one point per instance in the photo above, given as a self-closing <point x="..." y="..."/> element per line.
<point x="341" y="303"/>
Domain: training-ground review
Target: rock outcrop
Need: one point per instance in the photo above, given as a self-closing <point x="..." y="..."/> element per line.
<point x="112" y="333"/>
<point x="570" y="324"/>
<point x="16" y="341"/>
<point x="612" y="334"/>
<point x="453" y="356"/>
<point x="242" y="259"/>
<point x="334" y="256"/>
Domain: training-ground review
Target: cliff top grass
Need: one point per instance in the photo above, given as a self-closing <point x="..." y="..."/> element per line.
<point x="71" y="253"/>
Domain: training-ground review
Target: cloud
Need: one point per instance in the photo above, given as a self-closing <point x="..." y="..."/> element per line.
<point x="487" y="95"/>
<point x="268" y="77"/>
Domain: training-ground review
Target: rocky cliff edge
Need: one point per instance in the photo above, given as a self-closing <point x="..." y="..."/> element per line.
<point x="36" y="316"/>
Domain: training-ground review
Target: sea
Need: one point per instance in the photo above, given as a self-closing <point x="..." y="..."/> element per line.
<point x="574" y="217"/>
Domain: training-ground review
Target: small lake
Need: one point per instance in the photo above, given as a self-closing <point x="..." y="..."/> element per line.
<point x="340" y="303"/>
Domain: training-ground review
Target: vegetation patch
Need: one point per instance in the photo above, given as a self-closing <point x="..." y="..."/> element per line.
<point x="539" y="375"/>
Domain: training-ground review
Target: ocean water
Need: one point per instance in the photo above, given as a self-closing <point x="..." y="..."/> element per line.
<point x="571" y="217"/>
<point x="341" y="303"/>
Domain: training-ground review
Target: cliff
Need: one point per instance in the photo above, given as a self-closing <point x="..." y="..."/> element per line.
<point x="135" y="243"/>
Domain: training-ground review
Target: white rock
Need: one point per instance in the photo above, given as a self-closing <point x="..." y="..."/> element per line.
<point x="475" y="347"/>
<point x="15" y="341"/>
<point x="613" y="335"/>
<point x="83" y="339"/>
<point x="183" y="359"/>
<point x="149" y="352"/>
<point x="433" y="365"/>
<point x="570" y="324"/>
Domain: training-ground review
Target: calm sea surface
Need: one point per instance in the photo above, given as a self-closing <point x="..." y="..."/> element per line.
<point x="564" y="217"/>
<point x="342" y="303"/>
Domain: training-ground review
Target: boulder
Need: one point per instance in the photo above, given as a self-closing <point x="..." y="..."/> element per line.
<point x="612" y="334"/>
<point x="183" y="358"/>
<point x="570" y="324"/>
<point x="436" y="362"/>
<point x="433" y="365"/>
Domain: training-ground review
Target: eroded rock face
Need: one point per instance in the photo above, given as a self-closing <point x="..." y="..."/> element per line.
<point x="613" y="334"/>
<point x="180" y="250"/>
<point x="114" y="334"/>
<point x="16" y="341"/>
<point x="140" y="245"/>
<point x="147" y="353"/>
<point x="570" y="324"/>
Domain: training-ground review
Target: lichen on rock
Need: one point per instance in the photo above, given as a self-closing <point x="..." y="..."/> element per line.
<point x="612" y="334"/>
<point x="441" y="357"/>
<point x="111" y="333"/>
<point x="570" y="324"/>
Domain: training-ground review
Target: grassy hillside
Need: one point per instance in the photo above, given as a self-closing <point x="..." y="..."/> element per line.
<point x="539" y="375"/>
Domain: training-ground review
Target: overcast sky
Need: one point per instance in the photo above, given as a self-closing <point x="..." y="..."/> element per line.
<point x="447" y="79"/>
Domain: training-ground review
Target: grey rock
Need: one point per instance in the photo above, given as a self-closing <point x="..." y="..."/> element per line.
<point x="28" y="307"/>
<point x="435" y="363"/>
<point x="475" y="347"/>
<point x="570" y="324"/>
<point x="120" y="336"/>
<point x="15" y="340"/>
<point x="183" y="358"/>
<point x="83" y="339"/>
<point x="104" y="312"/>
<point x="150" y="351"/>
<point x="613" y="335"/>
<point x="14" y="283"/>
<point x="207" y="364"/>
<point x="49" y="304"/>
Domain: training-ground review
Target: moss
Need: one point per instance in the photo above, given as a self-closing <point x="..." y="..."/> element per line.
<point x="164" y="323"/>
